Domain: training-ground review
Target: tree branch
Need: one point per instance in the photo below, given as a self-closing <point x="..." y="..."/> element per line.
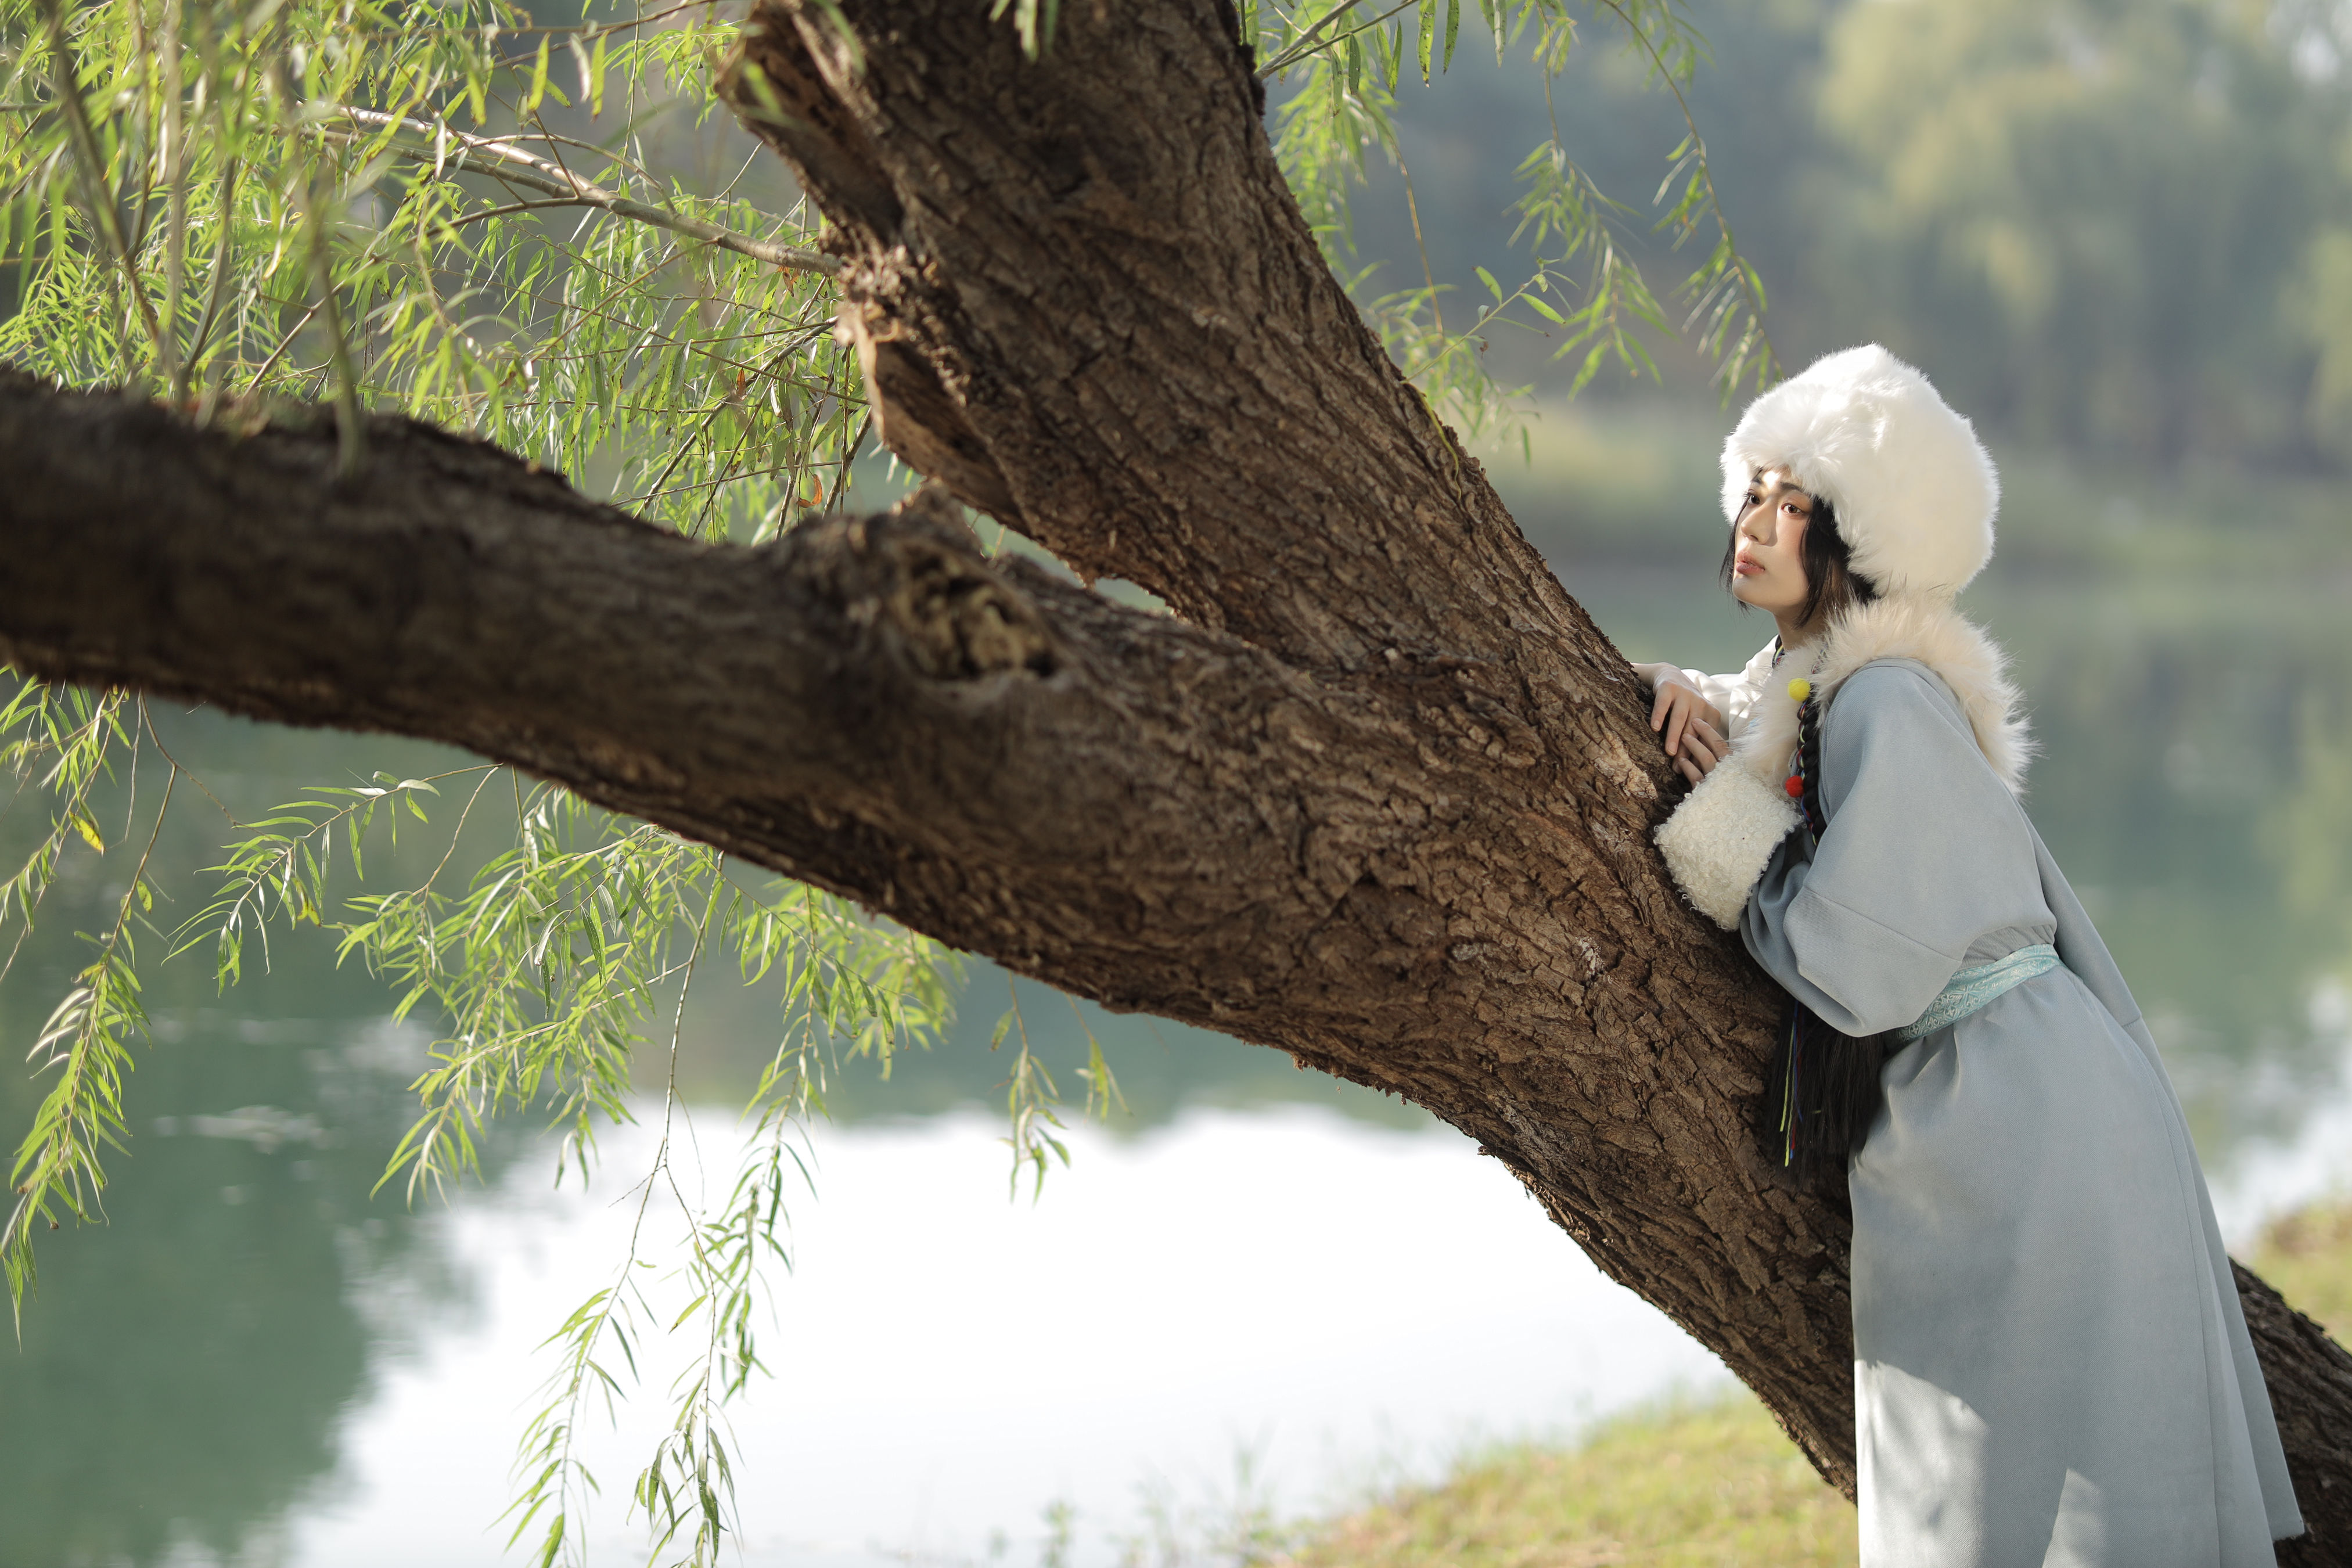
<point x="871" y="705"/>
<point x="1393" y="881"/>
<point x="1089" y="304"/>
<point x="1384" y="879"/>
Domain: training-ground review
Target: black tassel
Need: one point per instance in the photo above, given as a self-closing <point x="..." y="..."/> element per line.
<point x="1820" y="1098"/>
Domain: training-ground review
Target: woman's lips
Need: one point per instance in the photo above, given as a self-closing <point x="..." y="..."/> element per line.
<point x="1743" y="567"/>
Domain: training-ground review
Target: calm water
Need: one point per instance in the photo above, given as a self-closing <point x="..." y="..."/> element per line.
<point x="257" y="1362"/>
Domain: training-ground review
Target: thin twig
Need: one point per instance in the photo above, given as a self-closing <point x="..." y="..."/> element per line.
<point x="657" y="493"/>
<point x="749" y="159"/>
<point x="488" y="774"/>
<point x="1771" y="361"/>
<point x="543" y="135"/>
<point x="283" y="344"/>
<point x="175" y="219"/>
<point x="511" y="209"/>
<point x="218" y="289"/>
<point x="92" y="166"/>
<point x="134" y="149"/>
<point x="503" y="160"/>
<point x="1306" y="44"/>
<point x="841" y="480"/>
<point x="351" y="424"/>
<point x="1358" y="32"/>
<point x="583" y="33"/>
<point x="1437" y="309"/>
<point x="148" y="721"/>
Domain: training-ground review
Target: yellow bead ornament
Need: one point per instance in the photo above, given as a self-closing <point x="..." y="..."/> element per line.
<point x="1800" y="688"/>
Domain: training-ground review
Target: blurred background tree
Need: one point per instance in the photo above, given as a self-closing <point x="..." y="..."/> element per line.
<point x="2092" y="219"/>
<point x="2113" y="229"/>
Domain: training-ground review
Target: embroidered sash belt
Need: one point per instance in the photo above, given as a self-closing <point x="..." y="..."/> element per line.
<point x="1977" y="984"/>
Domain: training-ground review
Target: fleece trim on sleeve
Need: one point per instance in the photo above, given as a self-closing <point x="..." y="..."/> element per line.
<point x="1717" y="841"/>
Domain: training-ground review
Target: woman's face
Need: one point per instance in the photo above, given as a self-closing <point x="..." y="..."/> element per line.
<point x="1768" y="569"/>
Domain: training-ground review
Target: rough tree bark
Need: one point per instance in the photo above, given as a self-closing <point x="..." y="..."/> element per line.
<point x="1379" y="794"/>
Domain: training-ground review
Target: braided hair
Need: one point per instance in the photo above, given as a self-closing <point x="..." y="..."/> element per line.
<point x="1822" y="1091"/>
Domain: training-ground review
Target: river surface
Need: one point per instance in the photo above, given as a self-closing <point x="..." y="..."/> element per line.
<point x="1256" y="1293"/>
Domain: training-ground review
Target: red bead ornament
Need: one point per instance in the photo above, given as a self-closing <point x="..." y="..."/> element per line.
<point x="1795" y="785"/>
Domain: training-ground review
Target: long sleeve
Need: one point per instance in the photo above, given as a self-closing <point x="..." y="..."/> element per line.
<point x="1734" y="696"/>
<point x="1925" y="855"/>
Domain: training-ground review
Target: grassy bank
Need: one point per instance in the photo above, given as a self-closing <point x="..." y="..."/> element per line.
<point x="2307" y="1257"/>
<point x="1707" y="1486"/>
<point x="1694" y="1488"/>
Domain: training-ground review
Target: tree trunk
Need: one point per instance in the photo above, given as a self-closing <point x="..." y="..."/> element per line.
<point x="1379" y="794"/>
<point x="1088" y="302"/>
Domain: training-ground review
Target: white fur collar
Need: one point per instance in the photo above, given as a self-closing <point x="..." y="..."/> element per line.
<point x="1911" y="626"/>
<point x="1718" y="840"/>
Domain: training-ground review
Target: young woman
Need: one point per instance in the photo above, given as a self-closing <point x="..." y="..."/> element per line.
<point x="2050" y="1368"/>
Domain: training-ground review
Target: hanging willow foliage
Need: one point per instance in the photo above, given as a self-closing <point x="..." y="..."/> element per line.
<point x="547" y="235"/>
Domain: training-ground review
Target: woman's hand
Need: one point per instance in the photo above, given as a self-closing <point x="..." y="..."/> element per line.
<point x="1701" y="745"/>
<point x="1690" y="729"/>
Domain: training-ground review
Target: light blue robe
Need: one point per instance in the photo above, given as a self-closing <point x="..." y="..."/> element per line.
<point x="2051" y="1366"/>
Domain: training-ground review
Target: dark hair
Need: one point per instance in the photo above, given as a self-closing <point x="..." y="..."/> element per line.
<point x="1831" y="581"/>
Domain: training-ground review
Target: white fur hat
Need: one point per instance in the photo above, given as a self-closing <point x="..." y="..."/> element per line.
<point x="1914" y="491"/>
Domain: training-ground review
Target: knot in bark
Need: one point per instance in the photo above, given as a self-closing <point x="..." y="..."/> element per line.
<point x="916" y="574"/>
<point x="959" y="622"/>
